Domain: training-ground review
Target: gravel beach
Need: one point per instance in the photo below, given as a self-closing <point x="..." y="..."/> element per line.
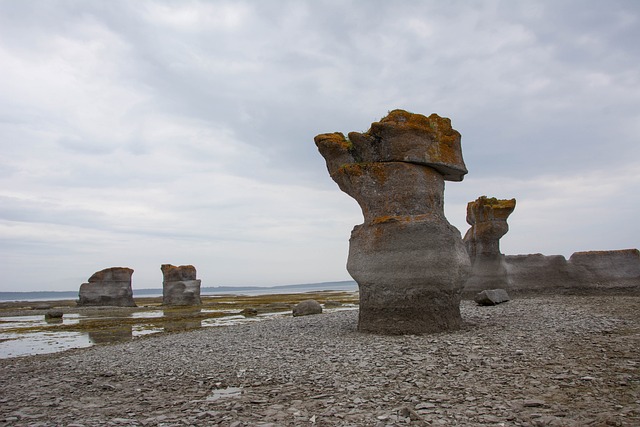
<point x="534" y="361"/>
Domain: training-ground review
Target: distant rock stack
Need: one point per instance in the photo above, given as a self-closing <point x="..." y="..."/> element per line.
<point x="488" y="220"/>
<point x="109" y="287"/>
<point x="591" y="270"/>
<point x="409" y="262"/>
<point x="179" y="285"/>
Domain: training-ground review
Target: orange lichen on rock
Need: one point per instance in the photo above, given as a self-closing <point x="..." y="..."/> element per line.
<point x="374" y="170"/>
<point x="439" y="128"/>
<point x="336" y="149"/>
<point x="629" y="252"/>
<point x="412" y="138"/>
<point x="336" y="139"/>
<point x="489" y="208"/>
<point x="397" y="218"/>
<point x="409" y="262"/>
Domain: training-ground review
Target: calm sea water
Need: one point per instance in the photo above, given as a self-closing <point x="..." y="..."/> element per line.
<point x="218" y="290"/>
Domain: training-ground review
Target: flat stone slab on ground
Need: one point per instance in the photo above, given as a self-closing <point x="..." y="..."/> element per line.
<point x="492" y="297"/>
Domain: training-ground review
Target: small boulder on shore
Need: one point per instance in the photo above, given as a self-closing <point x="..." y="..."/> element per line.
<point x="53" y="316"/>
<point x="307" y="307"/>
<point x="492" y="297"/>
<point x="249" y="312"/>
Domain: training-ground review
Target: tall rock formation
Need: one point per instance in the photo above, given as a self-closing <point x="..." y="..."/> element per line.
<point x="108" y="287"/>
<point x="488" y="220"/>
<point x="409" y="262"/>
<point x="179" y="285"/>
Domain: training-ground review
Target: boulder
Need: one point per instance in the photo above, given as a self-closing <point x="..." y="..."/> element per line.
<point x="53" y="316"/>
<point x="409" y="262"/>
<point x="179" y="285"/>
<point x="492" y="297"/>
<point x="108" y="287"/>
<point x="307" y="307"/>
<point x="249" y="312"/>
<point x="488" y="220"/>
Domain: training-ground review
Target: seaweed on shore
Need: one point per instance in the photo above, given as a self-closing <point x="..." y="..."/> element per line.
<point x="102" y="320"/>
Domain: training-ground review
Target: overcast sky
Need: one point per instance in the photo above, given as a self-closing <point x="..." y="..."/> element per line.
<point x="137" y="133"/>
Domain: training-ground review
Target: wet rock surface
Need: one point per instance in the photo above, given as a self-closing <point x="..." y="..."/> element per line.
<point x="536" y="361"/>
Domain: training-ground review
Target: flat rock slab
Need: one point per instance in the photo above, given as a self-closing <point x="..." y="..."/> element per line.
<point x="492" y="297"/>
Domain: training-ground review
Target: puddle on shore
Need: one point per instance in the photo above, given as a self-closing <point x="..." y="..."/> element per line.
<point x="32" y="321"/>
<point x="30" y="335"/>
<point x="225" y="393"/>
<point x="45" y="342"/>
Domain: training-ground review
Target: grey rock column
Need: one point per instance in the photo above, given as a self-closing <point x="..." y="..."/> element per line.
<point x="179" y="285"/>
<point x="487" y="217"/>
<point x="409" y="262"/>
<point x="108" y="287"/>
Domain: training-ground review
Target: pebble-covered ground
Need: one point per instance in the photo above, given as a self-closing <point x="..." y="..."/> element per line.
<point x="534" y="361"/>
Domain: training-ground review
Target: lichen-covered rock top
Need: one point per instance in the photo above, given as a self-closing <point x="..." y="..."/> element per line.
<point x="399" y="137"/>
<point x="108" y="287"/>
<point x="171" y="273"/>
<point x="631" y="253"/>
<point x="113" y="274"/>
<point x="489" y="209"/>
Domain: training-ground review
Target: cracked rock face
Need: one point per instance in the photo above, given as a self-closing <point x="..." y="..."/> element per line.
<point x="409" y="262"/>
<point x="108" y="287"/>
<point x="179" y="285"/>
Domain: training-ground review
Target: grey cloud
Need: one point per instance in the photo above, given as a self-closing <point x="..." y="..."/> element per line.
<point x="191" y="114"/>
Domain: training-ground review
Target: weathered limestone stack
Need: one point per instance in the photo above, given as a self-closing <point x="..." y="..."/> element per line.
<point x="180" y="286"/>
<point x="488" y="220"/>
<point x="109" y="287"/>
<point x="606" y="269"/>
<point x="409" y="262"/>
<point x="591" y="270"/>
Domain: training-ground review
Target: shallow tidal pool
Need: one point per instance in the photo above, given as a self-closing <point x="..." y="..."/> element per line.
<point x="31" y="335"/>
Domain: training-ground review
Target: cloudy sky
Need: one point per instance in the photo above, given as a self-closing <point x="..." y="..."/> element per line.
<point x="137" y="133"/>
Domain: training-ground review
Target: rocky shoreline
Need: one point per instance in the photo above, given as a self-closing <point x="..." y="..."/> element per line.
<point x="539" y="360"/>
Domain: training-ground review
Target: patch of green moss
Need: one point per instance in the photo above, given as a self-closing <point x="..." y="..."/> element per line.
<point x="496" y="203"/>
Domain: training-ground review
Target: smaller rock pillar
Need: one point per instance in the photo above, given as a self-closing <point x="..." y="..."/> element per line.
<point x="180" y="286"/>
<point x="488" y="220"/>
<point x="108" y="287"/>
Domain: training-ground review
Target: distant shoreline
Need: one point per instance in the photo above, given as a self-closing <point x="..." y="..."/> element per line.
<point x="347" y="285"/>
